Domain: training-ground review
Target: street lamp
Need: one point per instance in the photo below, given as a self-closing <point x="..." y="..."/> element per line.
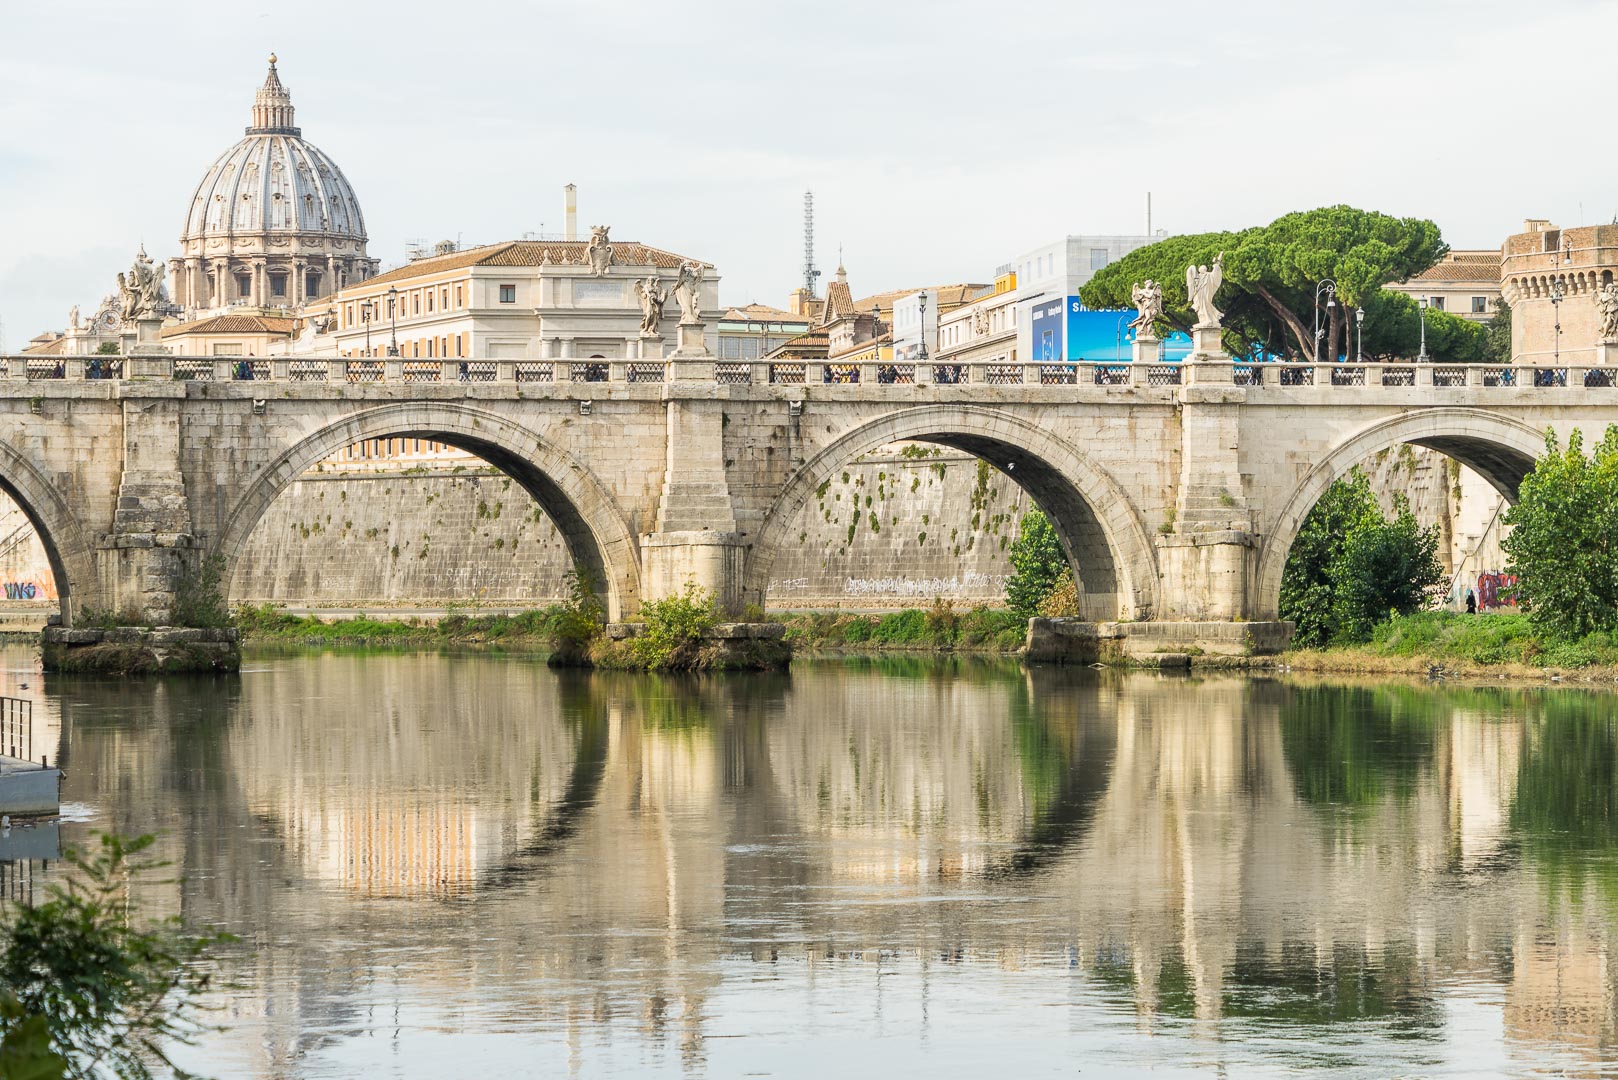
<point x="1359" y="324"/>
<point x="1118" y="348"/>
<point x="1421" y="357"/>
<point x="921" y="352"/>
<point x="1327" y="288"/>
<point x="365" y="317"/>
<point x="1556" y="306"/>
<point x="393" y="321"/>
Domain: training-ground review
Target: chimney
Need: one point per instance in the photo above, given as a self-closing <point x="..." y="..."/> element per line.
<point x="572" y="232"/>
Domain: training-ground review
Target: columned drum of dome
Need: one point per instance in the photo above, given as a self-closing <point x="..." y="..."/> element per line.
<point x="273" y="224"/>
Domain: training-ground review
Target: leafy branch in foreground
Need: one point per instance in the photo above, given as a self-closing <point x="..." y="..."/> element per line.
<point x="88" y="990"/>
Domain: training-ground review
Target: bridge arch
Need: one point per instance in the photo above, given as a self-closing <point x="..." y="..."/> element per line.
<point x="1113" y="559"/>
<point x="67" y="546"/>
<point x="596" y="532"/>
<point x="1498" y="448"/>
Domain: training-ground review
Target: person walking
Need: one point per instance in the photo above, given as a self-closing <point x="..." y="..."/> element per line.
<point x="1471" y="602"/>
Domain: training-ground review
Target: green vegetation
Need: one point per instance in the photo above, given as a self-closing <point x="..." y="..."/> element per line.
<point x="1466" y="644"/>
<point x="1350" y="567"/>
<point x="675" y="628"/>
<point x="1561" y="542"/>
<point x="1270" y="276"/>
<point x="87" y="988"/>
<point x="1038" y="562"/>
<point x="199" y="595"/>
<point x="534" y="628"/>
<point x="938" y="628"/>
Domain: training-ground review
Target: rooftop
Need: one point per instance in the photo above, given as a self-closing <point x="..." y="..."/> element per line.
<point x="234" y="324"/>
<point x="526" y="253"/>
<point x="1464" y="266"/>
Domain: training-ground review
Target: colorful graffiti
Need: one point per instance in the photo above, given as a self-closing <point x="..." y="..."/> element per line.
<point x="22" y="590"/>
<point x="1496" y="591"/>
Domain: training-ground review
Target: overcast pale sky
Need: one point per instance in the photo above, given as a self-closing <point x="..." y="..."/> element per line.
<point x="941" y="138"/>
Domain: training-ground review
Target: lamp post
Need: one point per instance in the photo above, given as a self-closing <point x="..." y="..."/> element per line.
<point x="1118" y="348"/>
<point x="1359" y="324"/>
<point x="921" y="331"/>
<point x="1421" y="357"/>
<point x="1328" y="289"/>
<point x="393" y="321"/>
<point x="365" y="317"/>
<point x="1556" y="306"/>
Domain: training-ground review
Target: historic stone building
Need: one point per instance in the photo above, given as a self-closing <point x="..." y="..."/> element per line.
<point x="1551" y="278"/>
<point x="273" y="224"/>
<point x="1464" y="283"/>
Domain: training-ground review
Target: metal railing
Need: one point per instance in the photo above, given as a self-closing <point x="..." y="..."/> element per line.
<point x="1070" y="376"/>
<point x="17" y="728"/>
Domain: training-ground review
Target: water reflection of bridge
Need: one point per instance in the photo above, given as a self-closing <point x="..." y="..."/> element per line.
<point x="1227" y="849"/>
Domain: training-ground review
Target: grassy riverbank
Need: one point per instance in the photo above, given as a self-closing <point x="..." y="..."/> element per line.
<point x="525" y="630"/>
<point x="1489" y="646"/>
<point x="937" y="629"/>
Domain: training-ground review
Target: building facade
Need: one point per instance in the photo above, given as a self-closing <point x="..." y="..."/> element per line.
<point x="522" y="299"/>
<point x="1464" y="283"/>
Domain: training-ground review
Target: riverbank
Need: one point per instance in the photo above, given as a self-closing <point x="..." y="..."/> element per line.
<point x="937" y="629"/>
<point x="1464" y="646"/>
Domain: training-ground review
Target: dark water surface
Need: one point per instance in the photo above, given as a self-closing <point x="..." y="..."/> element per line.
<point x="473" y="866"/>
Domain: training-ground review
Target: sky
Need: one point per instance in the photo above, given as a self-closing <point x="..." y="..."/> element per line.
<point x="941" y="139"/>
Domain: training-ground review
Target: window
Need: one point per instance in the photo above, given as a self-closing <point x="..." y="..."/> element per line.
<point x="458" y="301"/>
<point x="1098" y="258"/>
<point x="750" y="348"/>
<point x="730" y="348"/>
<point x="415" y="303"/>
<point x="508" y="294"/>
<point x="278" y="284"/>
<point x="443" y="300"/>
<point x="1437" y="302"/>
<point x="429" y="300"/>
<point x="244" y="285"/>
<point x="1480" y="305"/>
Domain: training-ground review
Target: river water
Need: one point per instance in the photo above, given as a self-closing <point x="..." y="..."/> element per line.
<point x="451" y="865"/>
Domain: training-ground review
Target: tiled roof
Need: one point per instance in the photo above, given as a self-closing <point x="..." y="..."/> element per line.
<point x="839" y="302"/>
<point x="756" y="312"/>
<point x="812" y="343"/>
<point x="1464" y="266"/>
<point x="57" y="346"/>
<point x="526" y="253"/>
<point x="235" y="324"/>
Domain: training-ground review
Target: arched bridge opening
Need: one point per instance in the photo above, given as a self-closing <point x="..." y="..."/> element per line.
<point x="594" y="535"/>
<point x="1113" y="561"/>
<point x="1500" y="449"/>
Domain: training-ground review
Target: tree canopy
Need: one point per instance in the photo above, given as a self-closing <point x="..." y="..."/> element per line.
<point x="1351" y="567"/>
<point x="1271" y="272"/>
<point x="1561" y="544"/>
<point x="1038" y="562"/>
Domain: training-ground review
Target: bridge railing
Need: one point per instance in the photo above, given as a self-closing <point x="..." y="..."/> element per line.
<point x="1061" y="373"/>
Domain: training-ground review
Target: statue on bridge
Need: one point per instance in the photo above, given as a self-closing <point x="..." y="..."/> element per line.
<point x="599" y="250"/>
<point x="652" y="297"/>
<point x="1148" y="298"/>
<point x="1201" y="283"/>
<point x="141" y="293"/>
<point x="688" y="291"/>
<point x="1607" y="308"/>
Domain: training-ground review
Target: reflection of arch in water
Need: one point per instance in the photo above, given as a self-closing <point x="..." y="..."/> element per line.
<point x="1115" y="563"/>
<point x="1500" y="449"/>
<point x="596" y="533"/>
<point x="1084" y="762"/>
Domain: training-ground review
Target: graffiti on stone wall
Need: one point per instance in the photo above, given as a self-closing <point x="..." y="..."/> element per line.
<point x="1497" y="591"/>
<point x="23" y="590"/>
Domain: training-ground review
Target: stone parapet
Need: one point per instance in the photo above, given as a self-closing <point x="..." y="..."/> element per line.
<point x="133" y="650"/>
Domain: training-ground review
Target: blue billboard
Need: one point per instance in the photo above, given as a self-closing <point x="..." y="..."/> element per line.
<point x="1067" y="330"/>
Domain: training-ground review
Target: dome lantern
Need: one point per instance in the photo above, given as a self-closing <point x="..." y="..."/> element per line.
<point x="272" y="107"/>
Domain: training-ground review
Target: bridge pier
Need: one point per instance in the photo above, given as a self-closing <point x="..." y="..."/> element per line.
<point x="151" y="547"/>
<point x="697" y="540"/>
<point x="1209" y="558"/>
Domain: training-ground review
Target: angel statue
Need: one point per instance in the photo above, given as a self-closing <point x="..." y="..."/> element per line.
<point x="1148" y="298"/>
<point x="652" y="298"/>
<point x="1201" y="283"/>
<point x="1607" y="308"/>
<point x="688" y="291"/>
<point x="141" y="292"/>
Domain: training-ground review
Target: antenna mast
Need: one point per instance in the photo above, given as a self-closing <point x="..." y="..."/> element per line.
<point x="809" y="271"/>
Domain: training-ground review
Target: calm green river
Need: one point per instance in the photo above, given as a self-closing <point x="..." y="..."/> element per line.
<point x="472" y="866"/>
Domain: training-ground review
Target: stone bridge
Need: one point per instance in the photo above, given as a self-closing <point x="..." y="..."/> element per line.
<point x="1177" y="490"/>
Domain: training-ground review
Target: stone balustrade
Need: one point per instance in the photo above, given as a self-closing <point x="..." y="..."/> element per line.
<point x="1074" y="374"/>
